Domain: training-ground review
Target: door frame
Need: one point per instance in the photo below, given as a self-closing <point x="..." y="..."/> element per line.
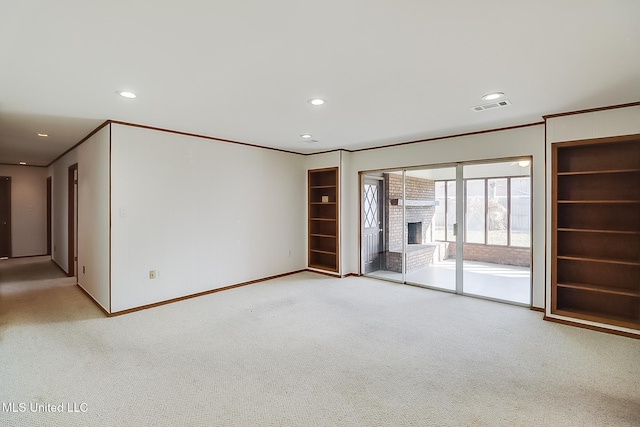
<point x="10" y="238"/>
<point x="381" y="217"/>
<point x="460" y="225"/>
<point x="71" y="225"/>
<point x="49" y="206"/>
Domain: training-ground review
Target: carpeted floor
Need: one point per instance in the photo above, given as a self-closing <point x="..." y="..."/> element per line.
<point x="303" y="350"/>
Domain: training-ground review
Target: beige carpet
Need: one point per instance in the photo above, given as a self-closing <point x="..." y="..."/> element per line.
<point x="304" y="350"/>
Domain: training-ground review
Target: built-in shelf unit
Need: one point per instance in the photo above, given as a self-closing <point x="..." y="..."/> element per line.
<point x="323" y="219"/>
<point x="596" y="231"/>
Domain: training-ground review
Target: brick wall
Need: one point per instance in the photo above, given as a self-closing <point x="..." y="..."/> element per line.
<point x="496" y="254"/>
<point x="416" y="189"/>
<point x="418" y="256"/>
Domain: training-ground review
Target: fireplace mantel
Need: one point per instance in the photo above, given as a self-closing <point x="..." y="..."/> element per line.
<point x="400" y="202"/>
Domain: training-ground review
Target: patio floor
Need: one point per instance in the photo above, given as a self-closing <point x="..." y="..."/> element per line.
<point x="496" y="281"/>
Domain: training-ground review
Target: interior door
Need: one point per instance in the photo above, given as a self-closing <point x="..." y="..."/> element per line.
<point x="372" y="224"/>
<point x="5" y="217"/>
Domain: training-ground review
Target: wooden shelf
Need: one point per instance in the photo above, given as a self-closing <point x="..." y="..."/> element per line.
<point x="593" y="316"/>
<point x="606" y="276"/>
<point x="595" y="288"/>
<point x="595" y="271"/>
<point x="606" y="261"/>
<point x="323" y="252"/>
<point x="592" y="172"/>
<point x="597" y="156"/>
<point x="323" y="219"/>
<point x="624" y="217"/>
<point x="621" y="186"/>
<point x="590" y="230"/>
<point x="598" y="201"/>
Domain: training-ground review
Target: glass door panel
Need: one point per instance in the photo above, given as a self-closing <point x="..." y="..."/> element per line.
<point x="429" y="227"/>
<point x="497" y="211"/>
<point x="475" y="211"/>
<point x="496" y="252"/>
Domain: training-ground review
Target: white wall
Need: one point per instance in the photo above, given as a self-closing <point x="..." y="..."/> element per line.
<point x="92" y="157"/>
<point x="93" y="217"/>
<point x="206" y="214"/>
<point x="203" y="214"/>
<point x="60" y="215"/>
<point x="597" y="124"/>
<point x="28" y="209"/>
<point x="526" y="141"/>
<point x="348" y="204"/>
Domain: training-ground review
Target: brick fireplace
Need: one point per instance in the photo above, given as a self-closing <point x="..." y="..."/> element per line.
<point x="420" y="209"/>
<point x="414" y="233"/>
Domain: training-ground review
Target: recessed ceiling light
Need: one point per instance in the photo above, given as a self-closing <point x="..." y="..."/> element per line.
<point x="23" y="163"/>
<point x="524" y="163"/>
<point x="305" y="136"/>
<point x="43" y="135"/>
<point x="316" y="101"/>
<point x="492" y="96"/>
<point x="126" y="94"/>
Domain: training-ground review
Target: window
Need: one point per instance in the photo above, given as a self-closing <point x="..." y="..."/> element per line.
<point x="521" y="211"/>
<point x="475" y="211"/>
<point x="370" y="206"/>
<point x="497" y="211"/>
<point x="440" y="214"/>
<point x="451" y="209"/>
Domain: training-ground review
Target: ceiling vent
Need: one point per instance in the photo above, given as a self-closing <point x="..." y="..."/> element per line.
<point x="491" y="106"/>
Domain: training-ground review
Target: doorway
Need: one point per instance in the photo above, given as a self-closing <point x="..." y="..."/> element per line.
<point x="49" y="206"/>
<point x="5" y="217"/>
<point x="462" y="228"/>
<point x="73" y="221"/>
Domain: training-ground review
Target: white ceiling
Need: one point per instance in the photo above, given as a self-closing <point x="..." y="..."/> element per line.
<point x="391" y="71"/>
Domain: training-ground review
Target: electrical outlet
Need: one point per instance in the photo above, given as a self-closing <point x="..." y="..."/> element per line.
<point x="152" y="274"/>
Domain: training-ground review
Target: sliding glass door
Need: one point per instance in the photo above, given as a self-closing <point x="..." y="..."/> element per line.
<point x="430" y="208"/>
<point x="497" y="244"/>
<point x="463" y="228"/>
